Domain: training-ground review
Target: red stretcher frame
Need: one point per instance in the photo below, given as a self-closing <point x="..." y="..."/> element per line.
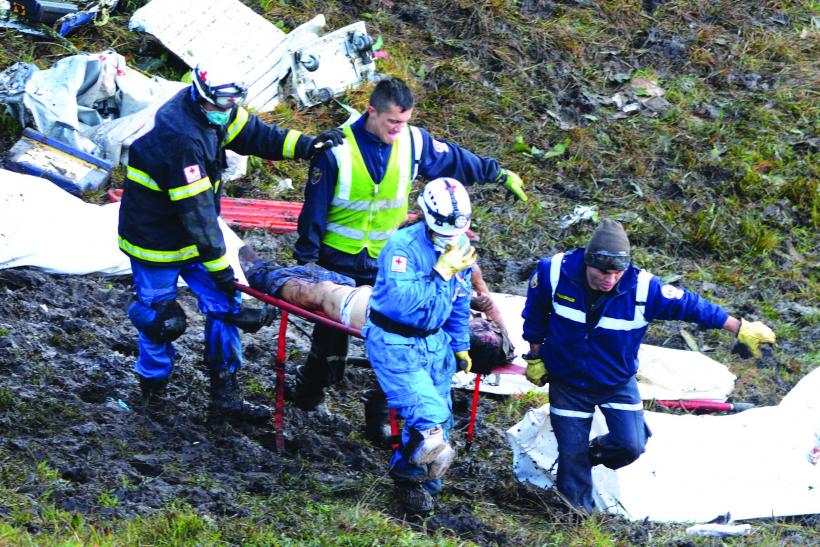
<point x="281" y="355"/>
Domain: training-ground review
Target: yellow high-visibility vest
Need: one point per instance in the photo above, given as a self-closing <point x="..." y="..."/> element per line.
<point x="363" y="213"/>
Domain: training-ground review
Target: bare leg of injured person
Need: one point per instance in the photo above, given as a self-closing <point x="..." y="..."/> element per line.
<point x="342" y="303"/>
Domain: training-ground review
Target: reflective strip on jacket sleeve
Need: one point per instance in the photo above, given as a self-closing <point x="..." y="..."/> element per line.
<point x="289" y="147"/>
<point x="142" y="178"/>
<point x="217" y="264"/>
<point x="189" y="190"/>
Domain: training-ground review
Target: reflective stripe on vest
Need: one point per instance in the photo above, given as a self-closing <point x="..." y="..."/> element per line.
<point x="579" y="316"/>
<point x="364" y="214"/>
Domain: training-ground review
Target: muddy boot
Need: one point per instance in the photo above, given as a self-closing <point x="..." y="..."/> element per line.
<point x="152" y="389"/>
<point x="596" y="455"/>
<point x="377" y="419"/>
<point x="414" y="499"/>
<point x="324" y="366"/>
<point x="303" y="393"/>
<point x="227" y="403"/>
<point x="252" y="319"/>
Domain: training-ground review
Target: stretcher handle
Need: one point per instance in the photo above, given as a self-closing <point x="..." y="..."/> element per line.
<point x="281" y="356"/>
<point x="473" y="412"/>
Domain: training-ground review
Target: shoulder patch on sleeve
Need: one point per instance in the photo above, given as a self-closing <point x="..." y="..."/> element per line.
<point x="192" y="173"/>
<point x="398" y="264"/>
<point x="670" y="292"/>
<point x="534" y="280"/>
<point x="440" y="147"/>
<point x="315" y="175"/>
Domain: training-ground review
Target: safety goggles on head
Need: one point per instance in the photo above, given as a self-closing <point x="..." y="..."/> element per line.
<point x="229" y="95"/>
<point x="605" y="260"/>
<point x="225" y="95"/>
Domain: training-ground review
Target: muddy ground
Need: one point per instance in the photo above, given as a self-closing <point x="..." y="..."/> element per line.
<point x="69" y="400"/>
<point x="68" y="397"/>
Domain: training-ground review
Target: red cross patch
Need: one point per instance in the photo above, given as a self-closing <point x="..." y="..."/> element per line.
<point x="192" y="173"/>
<point x="398" y="264"/>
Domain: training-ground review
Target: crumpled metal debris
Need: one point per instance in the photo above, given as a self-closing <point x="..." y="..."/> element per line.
<point x="581" y="212"/>
<point x="642" y="94"/>
<point x="719" y="530"/>
<point x="300" y="64"/>
<point x="54" y="19"/>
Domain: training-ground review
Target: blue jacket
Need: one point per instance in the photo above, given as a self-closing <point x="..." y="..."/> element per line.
<point x="408" y="291"/>
<point x="173" y="184"/>
<point x="438" y="159"/>
<point x="598" y="347"/>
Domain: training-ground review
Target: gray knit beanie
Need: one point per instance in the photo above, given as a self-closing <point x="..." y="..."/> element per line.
<point x="608" y="249"/>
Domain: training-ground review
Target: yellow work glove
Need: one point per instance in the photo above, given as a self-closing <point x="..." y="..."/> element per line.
<point x="464" y="361"/>
<point x="454" y="259"/>
<point x="536" y="370"/>
<point x="753" y="334"/>
<point x="513" y="183"/>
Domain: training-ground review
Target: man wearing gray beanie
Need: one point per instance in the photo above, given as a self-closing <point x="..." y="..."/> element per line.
<point x="587" y="311"/>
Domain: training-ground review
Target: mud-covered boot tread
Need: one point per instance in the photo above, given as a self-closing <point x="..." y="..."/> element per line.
<point x="414" y="499"/>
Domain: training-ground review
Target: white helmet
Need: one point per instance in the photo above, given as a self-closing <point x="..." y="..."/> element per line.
<point x="219" y="87"/>
<point x="446" y="206"/>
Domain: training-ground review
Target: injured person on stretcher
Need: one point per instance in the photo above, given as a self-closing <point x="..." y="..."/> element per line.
<point x="316" y="289"/>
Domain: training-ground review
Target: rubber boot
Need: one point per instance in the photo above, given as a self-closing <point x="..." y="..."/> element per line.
<point x="596" y="455"/>
<point x="414" y="499"/>
<point x="377" y="419"/>
<point x="304" y="393"/>
<point x="152" y="389"/>
<point x="251" y="319"/>
<point x="227" y="402"/>
<point x="323" y="367"/>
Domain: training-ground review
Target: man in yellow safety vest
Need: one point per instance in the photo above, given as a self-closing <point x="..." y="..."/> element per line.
<point x="356" y="197"/>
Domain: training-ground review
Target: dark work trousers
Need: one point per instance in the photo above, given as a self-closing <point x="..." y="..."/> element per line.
<point x="571" y="410"/>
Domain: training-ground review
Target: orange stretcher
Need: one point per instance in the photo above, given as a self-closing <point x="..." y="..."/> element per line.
<point x="279" y="217"/>
<point x="275" y="216"/>
<point x="314" y="317"/>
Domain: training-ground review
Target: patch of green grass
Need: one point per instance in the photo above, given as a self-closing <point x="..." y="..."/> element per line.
<point x="45" y="472"/>
<point x="516" y="406"/>
<point x="106" y="499"/>
<point x="7" y="399"/>
<point x="277" y="523"/>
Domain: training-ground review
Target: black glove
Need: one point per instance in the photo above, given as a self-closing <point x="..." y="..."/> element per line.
<point x="326" y="139"/>
<point x="224" y="280"/>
